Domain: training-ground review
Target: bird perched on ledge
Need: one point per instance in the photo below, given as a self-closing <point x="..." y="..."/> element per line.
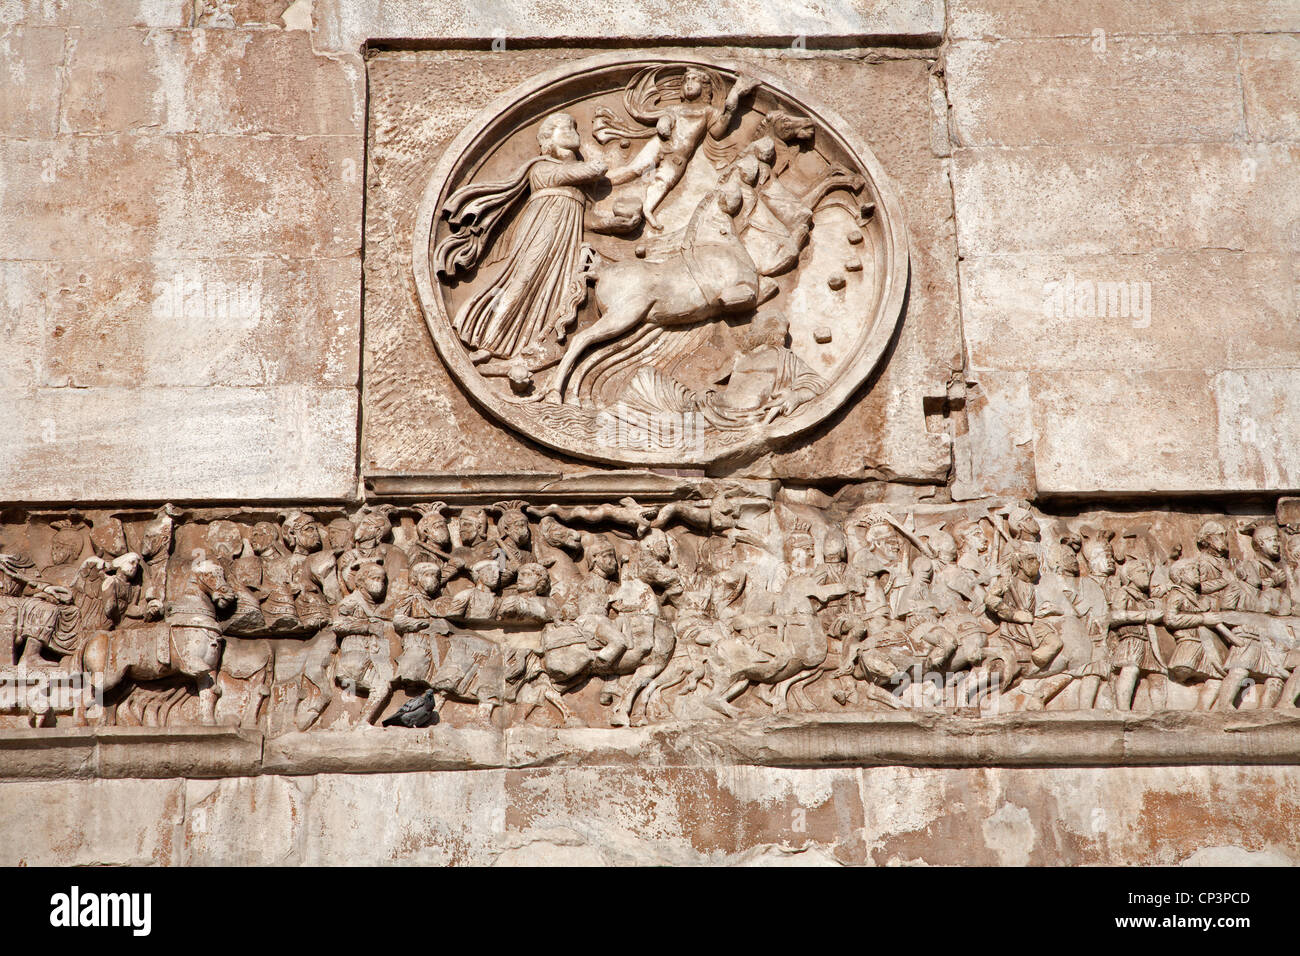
<point x="420" y="711"/>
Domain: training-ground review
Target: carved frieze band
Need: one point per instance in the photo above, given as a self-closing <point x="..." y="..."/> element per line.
<point x="618" y="612"/>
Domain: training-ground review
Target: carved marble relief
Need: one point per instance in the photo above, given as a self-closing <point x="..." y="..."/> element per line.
<point x="659" y="261"/>
<point x="612" y="613"/>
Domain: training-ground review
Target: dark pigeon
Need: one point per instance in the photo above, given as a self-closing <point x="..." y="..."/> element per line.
<point x="418" y="712"/>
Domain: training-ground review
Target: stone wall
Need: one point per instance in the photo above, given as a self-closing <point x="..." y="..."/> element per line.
<point x="205" y="274"/>
<point x="1213" y="816"/>
<point x="186" y="183"/>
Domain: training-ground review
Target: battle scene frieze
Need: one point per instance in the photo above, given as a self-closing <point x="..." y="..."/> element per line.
<point x="730" y="608"/>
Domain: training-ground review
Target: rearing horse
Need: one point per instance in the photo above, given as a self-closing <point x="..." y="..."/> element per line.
<point x="721" y="265"/>
<point x="709" y="274"/>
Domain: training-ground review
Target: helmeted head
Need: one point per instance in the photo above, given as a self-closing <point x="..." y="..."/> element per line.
<point x="472" y="523"/>
<point x="835" y="547"/>
<point x="601" y="555"/>
<point x="371" y="578"/>
<point x="432" y="529"/>
<point x="1184" y="574"/>
<point x="1293" y="550"/>
<point x="1100" y="555"/>
<point x="1024" y="525"/>
<point x="882" y="538"/>
<point x="1025" y="563"/>
<point x="128" y="565"/>
<point x="342" y="534"/>
<point x="1264" y="536"/>
<point x="372" y="527"/>
<point x="1136" y="572"/>
<point x="513" y="524"/>
<point x="427" y="576"/>
<point x="65" y="545"/>
<point x="486" y="574"/>
<point x="731" y="582"/>
<point x="799" y="546"/>
<point x="225" y="539"/>
<point x="944" y="546"/>
<point x="301" y="533"/>
<point x="1212" y="536"/>
<point x="264" y="537"/>
<point x="972" y="537"/>
<point x="108" y="538"/>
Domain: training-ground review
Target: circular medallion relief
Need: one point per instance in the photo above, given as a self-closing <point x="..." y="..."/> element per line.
<point x="659" y="261"/>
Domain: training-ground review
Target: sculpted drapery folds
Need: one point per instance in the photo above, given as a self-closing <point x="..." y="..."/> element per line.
<point x="537" y="289"/>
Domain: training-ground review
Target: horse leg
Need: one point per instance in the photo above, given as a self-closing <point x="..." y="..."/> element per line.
<point x="781" y="696"/>
<point x="209" y="690"/>
<point x="799" y="690"/>
<point x="552" y="696"/>
<point x="1291" y="692"/>
<point x="92" y="661"/>
<point x="1050" y="687"/>
<point x="612" y="324"/>
<point x="721" y="701"/>
<point x="671" y="676"/>
<point x="258" y="696"/>
<point x="641" y="677"/>
<point x="1272" y="693"/>
<point x="1089" y="687"/>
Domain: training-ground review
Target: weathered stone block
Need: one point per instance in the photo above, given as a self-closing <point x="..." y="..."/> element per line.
<point x="91" y="822"/>
<point x="125" y="197"/>
<point x="125" y="443"/>
<point x="1150" y="311"/>
<point x="1240" y="415"/>
<point x="1270" y="81"/>
<point x="1091" y="200"/>
<point x="32" y="71"/>
<point x="209" y="81"/>
<point x="1064" y="91"/>
<point x="995" y="455"/>
<point x="196" y="322"/>
<point x="1024" y="18"/>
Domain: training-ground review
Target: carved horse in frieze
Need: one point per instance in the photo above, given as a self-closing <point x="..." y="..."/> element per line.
<point x="569" y="661"/>
<point x="777" y="651"/>
<point x="187" y="642"/>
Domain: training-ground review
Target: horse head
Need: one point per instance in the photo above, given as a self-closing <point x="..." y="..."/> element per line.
<point x="211" y="579"/>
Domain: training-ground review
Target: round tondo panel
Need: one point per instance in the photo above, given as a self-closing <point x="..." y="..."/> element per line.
<point x="659" y="261"/>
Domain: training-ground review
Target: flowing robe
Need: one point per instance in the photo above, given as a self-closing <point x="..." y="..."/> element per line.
<point x="539" y="286"/>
